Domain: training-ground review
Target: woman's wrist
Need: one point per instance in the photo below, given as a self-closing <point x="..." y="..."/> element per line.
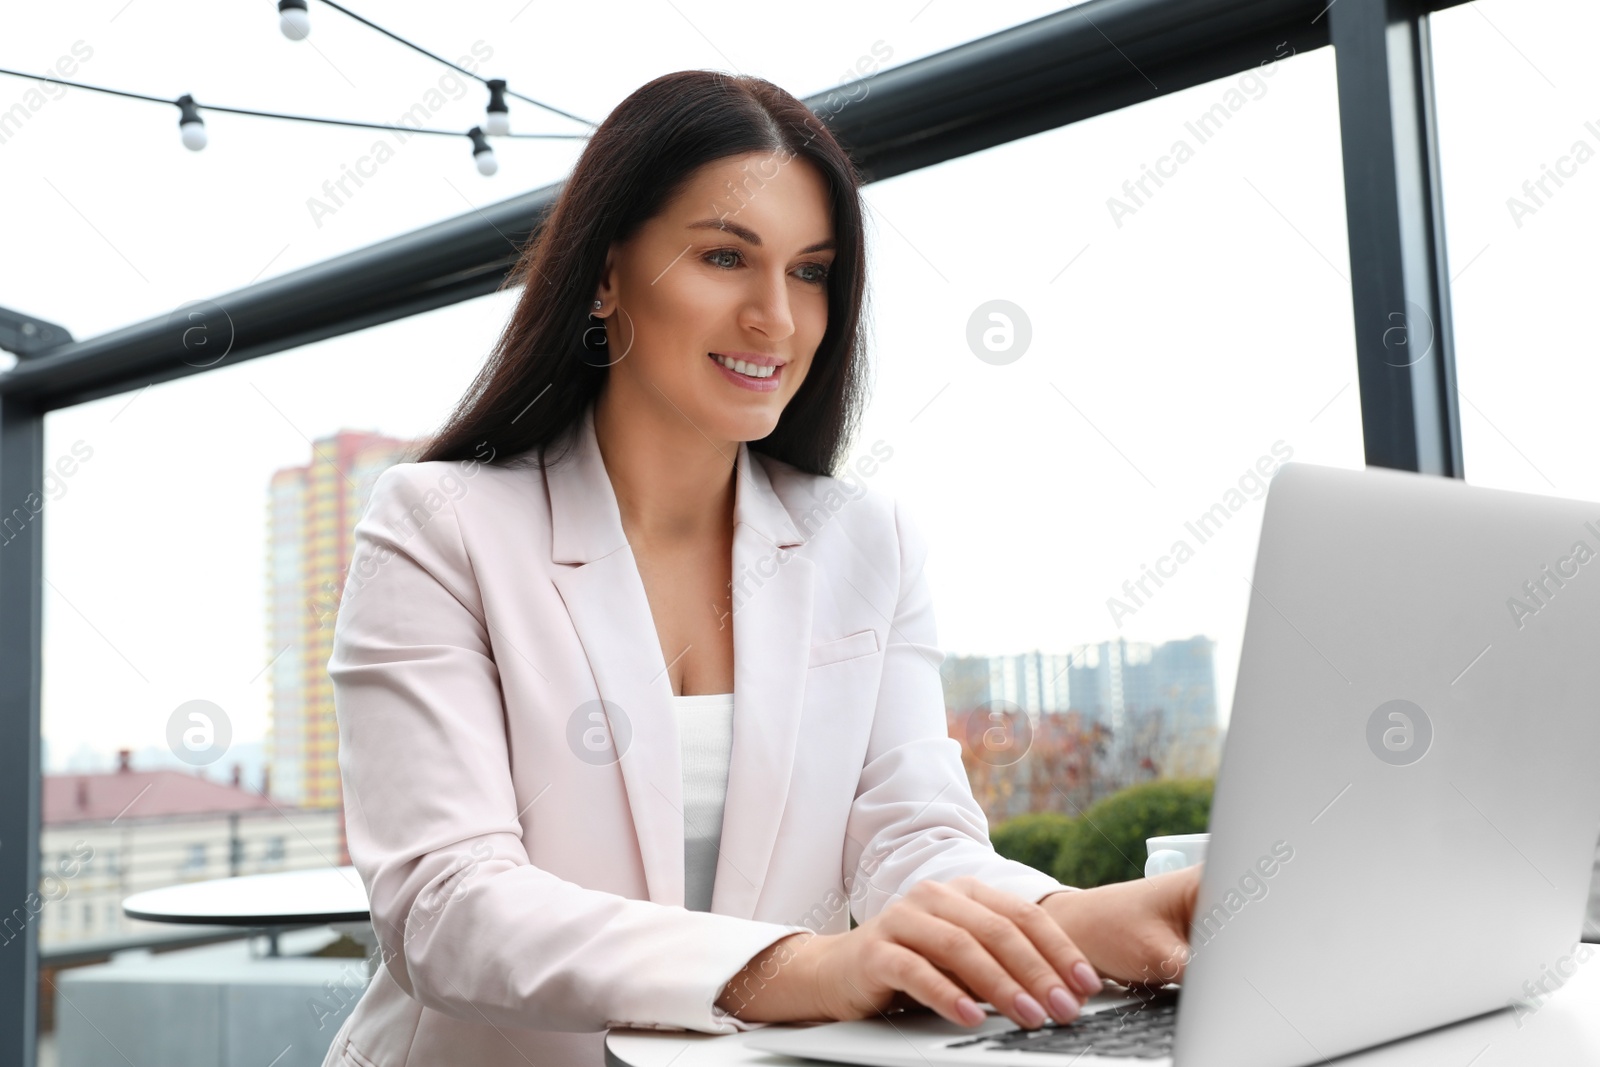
<point x="778" y="983"/>
<point x="1113" y="925"/>
<point x="1066" y="907"/>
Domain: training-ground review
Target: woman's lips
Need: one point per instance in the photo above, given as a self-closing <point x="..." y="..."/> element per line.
<point x="744" y="381"/>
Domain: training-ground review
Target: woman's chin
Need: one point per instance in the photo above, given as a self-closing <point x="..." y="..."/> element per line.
<point x="748" y="426"/>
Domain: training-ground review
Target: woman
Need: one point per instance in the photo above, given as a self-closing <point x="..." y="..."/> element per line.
<point x="572" y="804"/>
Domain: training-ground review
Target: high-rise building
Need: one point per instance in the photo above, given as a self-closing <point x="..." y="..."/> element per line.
<point x="1109" y="682"/>
<point x="311" y="518"/>
<point x="1034" y="681"/>
<point x="1183" y="682"/>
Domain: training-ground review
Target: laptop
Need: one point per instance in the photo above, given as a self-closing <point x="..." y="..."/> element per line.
<point x="1405" y="817"/>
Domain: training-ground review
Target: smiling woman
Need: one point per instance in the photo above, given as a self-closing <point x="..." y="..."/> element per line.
<point x="691" y="202"/>
<point x="572" y="807"/>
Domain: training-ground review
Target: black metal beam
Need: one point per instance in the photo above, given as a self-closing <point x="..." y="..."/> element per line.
<point x="438" y="265"/>
<point x="1399" y="281"/>
<point x="1084" y="61"/>
<point x="22" y="516"/>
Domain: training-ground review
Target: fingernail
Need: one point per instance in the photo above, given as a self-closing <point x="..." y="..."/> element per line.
<point x="1028" y="1008"/>
<point x="968" y="1009"/>
<point x="1062" y="1005"/>
<point x="1087" y="980"/>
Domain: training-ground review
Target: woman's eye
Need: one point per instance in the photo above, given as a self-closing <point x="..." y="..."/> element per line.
<point x="819" y="277"/>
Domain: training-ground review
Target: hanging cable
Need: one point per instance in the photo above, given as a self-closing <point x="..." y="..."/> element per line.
<point x="279" y="114"/>
<point x="295" y="22"/>
<point x="191" y="125"/>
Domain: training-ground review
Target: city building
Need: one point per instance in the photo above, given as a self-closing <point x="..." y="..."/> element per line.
<point x="1112" y="682"/>
<point x="311" y="519"/>
<point x="106" y="835"/>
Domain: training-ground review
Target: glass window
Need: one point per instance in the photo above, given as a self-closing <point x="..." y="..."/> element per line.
<point x="1519" y="142"/>
<point x="1520" y="147"/>
<point x="273" y="852"/>
<point x="1092" y="346"/>
<point x="182" y="609"/>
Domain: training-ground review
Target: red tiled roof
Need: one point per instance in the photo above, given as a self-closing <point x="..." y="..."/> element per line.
<point x="132" y="794"/>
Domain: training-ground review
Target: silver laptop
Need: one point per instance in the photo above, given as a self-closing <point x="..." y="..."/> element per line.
<point x="1405" y="817"/>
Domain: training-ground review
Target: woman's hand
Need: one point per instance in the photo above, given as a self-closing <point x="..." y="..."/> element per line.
<point x="948" y="945"/>
<point x="1135" y="932"/>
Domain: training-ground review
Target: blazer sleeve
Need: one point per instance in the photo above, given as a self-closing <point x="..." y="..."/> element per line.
<point x="914" y="816"/>
<point x="468" y="926"/>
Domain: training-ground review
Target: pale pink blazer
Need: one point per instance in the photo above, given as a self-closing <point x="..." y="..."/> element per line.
<point x="526" y="883"/>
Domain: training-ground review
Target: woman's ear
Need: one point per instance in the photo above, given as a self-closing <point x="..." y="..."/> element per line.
<point x="606" y="288"/>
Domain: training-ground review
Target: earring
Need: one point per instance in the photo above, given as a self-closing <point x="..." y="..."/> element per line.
<point x="600" y="344"/>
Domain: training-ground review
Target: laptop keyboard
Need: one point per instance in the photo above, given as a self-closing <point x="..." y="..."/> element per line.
<point x="1141" y="1030"/>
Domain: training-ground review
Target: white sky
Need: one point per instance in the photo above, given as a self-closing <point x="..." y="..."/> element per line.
<point x="1171" y="354"/>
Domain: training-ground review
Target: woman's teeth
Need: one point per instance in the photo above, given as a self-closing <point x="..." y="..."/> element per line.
<point x="749" y="370"/>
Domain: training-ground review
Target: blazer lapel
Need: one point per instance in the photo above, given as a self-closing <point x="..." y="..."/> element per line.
<point x="772" y="601"/>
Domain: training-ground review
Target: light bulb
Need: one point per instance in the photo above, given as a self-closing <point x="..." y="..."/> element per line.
<point x="497" y="119"/>
<point x="191" y="127"/>
<point x="482" y="154"/>
<point x="294" y="20"/>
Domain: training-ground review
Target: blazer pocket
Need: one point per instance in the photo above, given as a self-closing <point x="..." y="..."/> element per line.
<point x="857" y="644"/>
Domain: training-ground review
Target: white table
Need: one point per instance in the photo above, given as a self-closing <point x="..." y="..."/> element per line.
<point x="324" y="895"/>
<point x="1563" y="1032"/>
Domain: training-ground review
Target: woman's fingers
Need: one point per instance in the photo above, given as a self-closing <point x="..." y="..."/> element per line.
<point x="997" y="944"/>
<point x="919" y="979"/>
<point x="956" y="978"/>
<point x="1068" y="960"/>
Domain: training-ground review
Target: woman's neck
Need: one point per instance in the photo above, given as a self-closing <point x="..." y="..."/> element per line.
<point x="672" y="484"/>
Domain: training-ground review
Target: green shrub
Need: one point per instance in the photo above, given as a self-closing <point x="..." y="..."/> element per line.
<point x="1106" y="843"/>
<point x="1034" y="839"/>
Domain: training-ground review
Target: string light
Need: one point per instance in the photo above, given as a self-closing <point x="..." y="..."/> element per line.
<point x="192" y="129"/>
<point x="482" y="154"/>
<point x="497" y="120"/>
<point x="294" y="20"/>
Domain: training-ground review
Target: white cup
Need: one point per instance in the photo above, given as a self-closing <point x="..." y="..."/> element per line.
<point x="1174" y="852"/>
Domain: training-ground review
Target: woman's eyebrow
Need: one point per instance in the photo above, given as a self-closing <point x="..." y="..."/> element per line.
<point x="749" y="236"/>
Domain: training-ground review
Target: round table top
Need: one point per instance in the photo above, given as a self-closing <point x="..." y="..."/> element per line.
<point x="282" y="898"/>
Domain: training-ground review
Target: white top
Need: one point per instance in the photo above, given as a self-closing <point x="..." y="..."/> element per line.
<point x="705" y="739"/>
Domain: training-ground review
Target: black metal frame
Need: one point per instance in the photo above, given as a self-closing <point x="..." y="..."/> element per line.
<point x="1084" y="61"/>
<point x="1405" y="348"/>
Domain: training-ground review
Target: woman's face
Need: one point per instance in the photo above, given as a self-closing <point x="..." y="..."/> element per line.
<point x="736" y="265"/>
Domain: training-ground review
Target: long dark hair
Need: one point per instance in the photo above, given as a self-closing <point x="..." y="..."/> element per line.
<point x="540" y="377"/>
